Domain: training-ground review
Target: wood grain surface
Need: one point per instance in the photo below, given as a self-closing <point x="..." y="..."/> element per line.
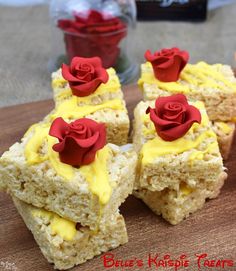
<point x="211" y="230"/>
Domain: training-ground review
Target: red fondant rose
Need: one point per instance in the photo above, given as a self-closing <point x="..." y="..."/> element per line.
<point x="78" y="141"/>
<point x="168" y="63"/>
<point x="173" y="116"/>
<point x="84" y="75"/>
<point x="93" y="34"/>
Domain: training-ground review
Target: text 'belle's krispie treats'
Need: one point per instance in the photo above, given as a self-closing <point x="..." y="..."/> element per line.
<point x="67" y="168"/>
<point x="86" y="89"/>
<point x="178" y="151"/>
<point x="66" y="243"/>
<point x="167" y="72"/>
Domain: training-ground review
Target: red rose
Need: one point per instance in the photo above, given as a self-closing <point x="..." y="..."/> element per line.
<point x="168" y="63"/>
<point x="78" y="141"/>
<point x="173" y="116"/>
<point x="84" y="75"/>
<point x="96" y="34"/>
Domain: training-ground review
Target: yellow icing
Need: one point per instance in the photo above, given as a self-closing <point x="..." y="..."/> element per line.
<point x="185" y="189"/>
<point x="70" y="109"/>
<point x="158" y="147"/>
<point x="227" y="129"/>
<point x="199" y="155"/>
<point x="96" y="173"/>
<point x="34" y="144"/>
<point x="97" y="176"/>
<point x="66" y="229"/>
<point x="113" y="85"/>
<point x="198" y="75"/>
<point x="58" y="82"/>
<point x="30" y="129"/>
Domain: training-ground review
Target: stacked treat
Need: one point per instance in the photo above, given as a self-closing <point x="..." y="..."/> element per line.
<point x="180" y="164"/>
<point x="179" y="167"/>
<point x="212" y="84"/>
<point x="68" y="179"/>
<point x="65" y="181"/>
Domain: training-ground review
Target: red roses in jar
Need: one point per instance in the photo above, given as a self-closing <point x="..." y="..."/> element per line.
<point x="93" y="34"/>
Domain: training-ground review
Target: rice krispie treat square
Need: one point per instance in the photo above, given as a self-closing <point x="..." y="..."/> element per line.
<point x="86" y="89"/>
<point x="33" y="172"/>
<point x="215" y="85"/>
<point x="65" y="243"/>
<point x="193" y="158"/>
<point x="106" y="91"/>
<point x="112" y="113"/>
<point x="179" y="165"/>
<point x="174" y="205"/>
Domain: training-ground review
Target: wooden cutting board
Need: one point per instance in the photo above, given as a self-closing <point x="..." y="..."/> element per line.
<point x="211" y="230"/>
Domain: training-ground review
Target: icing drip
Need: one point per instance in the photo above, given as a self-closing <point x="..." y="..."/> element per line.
<point x="96" y="173"/>
<point x="192" y="77"/>
<point x="157" y="147"/>
<point x="227" y="129"/>
<point x="97" y="176"/>
<point x="66" y="229"/>
<point x="70" y="109"/>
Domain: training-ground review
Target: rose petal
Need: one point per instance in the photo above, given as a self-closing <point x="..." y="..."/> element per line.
<point x="176" y="132"/>
<point x="86" y="88"/>
<point x="59" y="147"/>
<point x="86" y="142"/>
<point x="163" y="62"/>
<point x="161" y="101"/>
<point x="89" y="157"/>
<point x="72" y="154"/>
<point x="161" y="122"/>
<point x="149" y="57"/>
<point x="193" y="113"/>
<point x="102" y="137"/>
<point x="58" y="128"/>
<point x="67" y="75"/>
<point x="102" y="75"/>
<point x="174" y="114"/>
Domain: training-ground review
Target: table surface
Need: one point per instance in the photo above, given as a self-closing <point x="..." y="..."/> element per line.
<point x="211" y="230"/>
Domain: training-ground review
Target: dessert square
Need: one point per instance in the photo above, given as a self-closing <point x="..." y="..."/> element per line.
<point x="65" y="243"/>
<point x="215" y="85"/>
<point x="33" y="172"/>
<point x="112" y="113"/>
<point x="193" y="158"/>
<point x="105" y="92"/>
<point x="105" y="105"/>
<point x="174" y="205"/>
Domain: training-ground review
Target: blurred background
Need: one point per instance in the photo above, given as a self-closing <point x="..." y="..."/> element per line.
<point x="207" y="29"/>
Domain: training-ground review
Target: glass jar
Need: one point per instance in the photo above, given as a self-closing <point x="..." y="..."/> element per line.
<point x="90" y="28"/>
